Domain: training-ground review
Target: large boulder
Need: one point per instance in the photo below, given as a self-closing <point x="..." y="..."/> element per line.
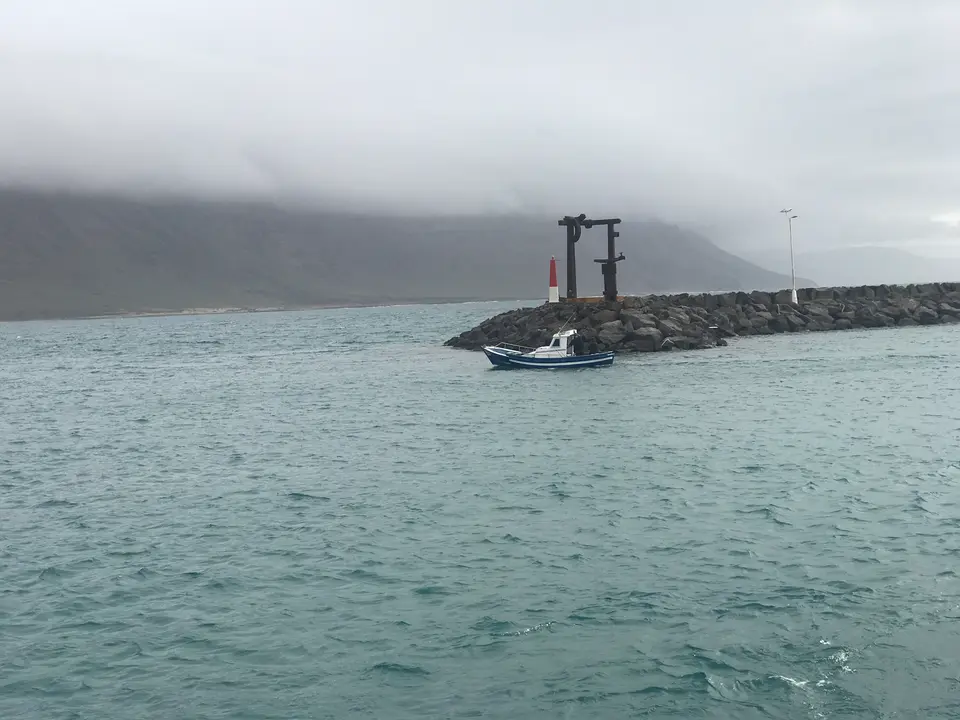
<point x="742" y="323"/>
<point x="926" y="316"/>
<point x="611" y="333"/>
<point x="644" y="339"/>
<point x="868" y="318"/>
<point x="670" y="328"/>
<point x="816" y="310"/>
<point x="602" y="317"/>
<point x="724" y="324"/>
<point x="677" y="315"/>
<point x="820" y="323"/>
<point x="795" y="322"/>
<point x="779" y="323"/>
<point x="634" y="319"/>
<point x="784" y="297"/>
<point x="908" y="305"/>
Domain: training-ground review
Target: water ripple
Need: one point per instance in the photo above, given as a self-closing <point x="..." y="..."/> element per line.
<point x="301" y="515"/>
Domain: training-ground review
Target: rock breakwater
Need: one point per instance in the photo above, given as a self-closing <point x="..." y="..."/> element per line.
<point x="685" y="322"/>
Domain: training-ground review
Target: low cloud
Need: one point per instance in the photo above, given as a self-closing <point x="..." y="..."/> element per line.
<point x="711" y="114"/>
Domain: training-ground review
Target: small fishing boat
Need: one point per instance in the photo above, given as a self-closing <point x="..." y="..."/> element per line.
<point x="558" y="354"/>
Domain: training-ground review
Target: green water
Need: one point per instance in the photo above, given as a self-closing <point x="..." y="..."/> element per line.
<point x="329" y="515"/>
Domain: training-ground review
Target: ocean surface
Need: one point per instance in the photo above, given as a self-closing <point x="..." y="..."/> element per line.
<point x="327" y="514"/>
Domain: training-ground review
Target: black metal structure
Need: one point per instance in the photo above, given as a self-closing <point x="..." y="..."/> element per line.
<point x="573" y="225"/>
<point x="609" y="263"/>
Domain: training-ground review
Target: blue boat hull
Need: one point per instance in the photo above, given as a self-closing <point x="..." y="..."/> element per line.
<point x="510" y="360"/>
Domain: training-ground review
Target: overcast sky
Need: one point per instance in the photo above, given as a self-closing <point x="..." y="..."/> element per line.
<point x="704" y="112"/>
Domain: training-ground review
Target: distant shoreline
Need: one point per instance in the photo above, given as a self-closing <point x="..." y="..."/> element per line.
<point x="192" y="312"/>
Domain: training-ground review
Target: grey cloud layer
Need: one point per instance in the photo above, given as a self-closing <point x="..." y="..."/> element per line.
<point x="712" y="113"/>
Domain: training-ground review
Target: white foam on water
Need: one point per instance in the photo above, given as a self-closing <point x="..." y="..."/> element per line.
<point x="791" y="681"/>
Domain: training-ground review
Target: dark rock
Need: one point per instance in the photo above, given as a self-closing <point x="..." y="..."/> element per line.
<point x="683" y="342"/>
<point x="633" y="319"/>
<point x="678" y="316"/>
<point x="655" y="322"/>
<point x="815" y="310"/>
<point x="870" y="320"/>
<point x="795" y="322"/>
<point x="611" y="333"/>
<point x="644" y="339"/>
<point x="895" y="312"/>
<point x="602" y="317"/>
<point x="820" y="323"/>
<point x="779" y="323"/>
<point x="588" y="333"/>
<point x="705" y="341"/>
<point x="926" y="316"/>
<point x="670" y="328"/>
<point x="783" y="298"/>
<point x="907" y="305"/>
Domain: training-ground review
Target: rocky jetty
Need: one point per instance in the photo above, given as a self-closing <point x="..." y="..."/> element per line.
<point x="686" y="322"/>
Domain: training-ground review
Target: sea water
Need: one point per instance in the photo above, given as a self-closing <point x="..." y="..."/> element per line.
<point x="327" y="514"/>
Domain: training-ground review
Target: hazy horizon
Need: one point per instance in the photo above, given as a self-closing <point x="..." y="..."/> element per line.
<point x="712" y="117"/>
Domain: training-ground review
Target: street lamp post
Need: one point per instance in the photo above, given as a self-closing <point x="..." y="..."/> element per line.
<point x="793" y="272"/>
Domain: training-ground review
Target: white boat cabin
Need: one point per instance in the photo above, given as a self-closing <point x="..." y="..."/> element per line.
<point x="560" y="346"/>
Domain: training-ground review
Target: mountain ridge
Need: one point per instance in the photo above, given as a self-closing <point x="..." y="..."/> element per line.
<point x="862" y="265"/>
<point x="72" y="254"/>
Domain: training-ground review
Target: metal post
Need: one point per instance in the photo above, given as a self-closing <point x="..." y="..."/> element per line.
<point x="572" y="260"/>
<point x="609" y="263"/>
<point x="793" y="272"/>
<point x="573" y="235"/>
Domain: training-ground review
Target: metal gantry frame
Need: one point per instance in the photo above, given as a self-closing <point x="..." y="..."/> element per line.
<point x="574" y="225"/>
